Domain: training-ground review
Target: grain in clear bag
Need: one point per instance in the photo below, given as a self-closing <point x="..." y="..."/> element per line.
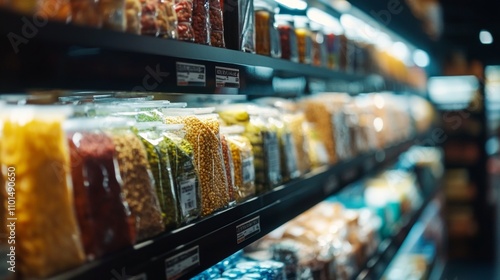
<point x="151" y="135"/>
<point x="265" y="143"/>
<point x="138" y="181"/>
<point x="40" y="226"/>
<point x="103" y="215"/>
<point x="242" y="154"/>
<point x="202" y="131"/>
<point x="184" y="174"/>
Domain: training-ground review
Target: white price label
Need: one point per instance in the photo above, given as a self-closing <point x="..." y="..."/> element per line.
<point x="248" y="170"/>
<point x="190" y="74"/>
<point x="247" y="229"/>
<point x="188" y="195"/>
<point x="181" y="263"/>
<point x="273" y="156"/>
<point x="227" y="77"/>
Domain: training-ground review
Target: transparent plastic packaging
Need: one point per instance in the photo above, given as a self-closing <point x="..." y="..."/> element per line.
<point x="104" y="217"/>
<point x="58" y="10"/>
<point x="240" y="36"/>
<point x="229" y="167"/>
<point x="294" y="119"/>
<point x="152" y="137"/>
<point x="113" y="14"/>
<point x="303" y="38"/>
<point x="184" y="11"/>
<point x="288" y="37"/>
<point x="288" y="155"/>
<point x="265" y="143"/>
<point x="184" y="174"/>
<point x="27" y="7"/>
<point x="266" y="34"/>
<point x="138" y="182"/>
<point x="149" y="13"/>
<point x="216" y="25"/>
<point x="332" y="48"/>
<point x="244" y="171"/>
<point x="133" y="10"/>
<point x="201" y="22"/>
<point x="166" y="19"/>
<point x="202" y="131"/>
<point x="318" y="47"/>
<point x="40" y="226"/>
<point x="86" y="12"/>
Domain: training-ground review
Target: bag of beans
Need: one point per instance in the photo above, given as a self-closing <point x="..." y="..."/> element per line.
<point x="294" y="119"/>
<point x="242" y="155"/>
<point x="202" y="131"/>
<point x="167" y="19"/>
<point x="104" y="217"/>
<point x="152" y="137"/>
<point x="184" y="11"/>
<point x="289" y="168"/>
<point x="201" y="22"/>
<point x="216" y="24"/>
<point x="184" y="176"/>
<point x="35" y="166"/>
<point x="264" y="139"/>
<point x="138" y="182"/>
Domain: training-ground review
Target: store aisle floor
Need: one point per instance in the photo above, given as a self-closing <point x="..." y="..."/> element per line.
<point x="469" y="271"/>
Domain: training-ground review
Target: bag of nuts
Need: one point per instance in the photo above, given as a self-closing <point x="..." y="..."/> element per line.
<point x="244" y="171"/>
<point x="138" y="181"/>
<point x="184" y="11"/>
<point x="151" y="135"/>
<point x="184" y="174"/>
<point x="202" y="131"/>
<point x="265" y="143"/>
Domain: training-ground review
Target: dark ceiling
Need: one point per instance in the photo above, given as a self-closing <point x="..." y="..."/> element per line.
<point x="464" y="19"/>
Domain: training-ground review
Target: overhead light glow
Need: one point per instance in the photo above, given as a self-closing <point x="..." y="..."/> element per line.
<point x="421" y="58"/>
<point x="341" y="5"/>
<point x="293" y="4"/>
<point x="325" y="19"/>
<point x="400" y="50"/>
<point x="485" y="37"/>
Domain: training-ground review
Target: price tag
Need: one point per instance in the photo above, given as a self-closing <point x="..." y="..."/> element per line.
<point x="248" y="170"/>
<point x="188" y="195"/>
<point x="227" y="77"/>
<point x="247" y="229"/>
<point x="181" y="263"/>
<point x="190" y="74"/>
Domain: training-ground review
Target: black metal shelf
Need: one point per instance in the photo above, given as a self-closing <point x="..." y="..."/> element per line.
<point x="215" y="237"/>
<point x="377" y="264"/>
<point x="54" y="55"/>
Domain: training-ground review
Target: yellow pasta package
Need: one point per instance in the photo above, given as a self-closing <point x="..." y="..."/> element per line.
<point x="35" y="167"/>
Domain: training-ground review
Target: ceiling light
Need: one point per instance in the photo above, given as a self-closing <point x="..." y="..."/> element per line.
<point x="325" y="19"/>
<point x="485" y="37"/>
<point x="293" y="4"/>
<point x="421" y="58"/>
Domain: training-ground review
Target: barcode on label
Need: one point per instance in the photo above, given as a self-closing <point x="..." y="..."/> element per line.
<point x="248" y="170"/>
<point x="273" y="156"/>
<point x="180" y="264"/>
<point x="188" y="195"/>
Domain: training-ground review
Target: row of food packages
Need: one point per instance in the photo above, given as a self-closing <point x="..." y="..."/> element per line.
<point x="246" y="25"/>
<point x="333" y="240"/>
<point x="120" y="171"/>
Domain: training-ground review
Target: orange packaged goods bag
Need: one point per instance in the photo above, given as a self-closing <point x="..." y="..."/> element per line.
<point x="35" y="162"/>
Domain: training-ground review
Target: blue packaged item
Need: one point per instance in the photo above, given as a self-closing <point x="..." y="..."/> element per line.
<point x="233" y="273"/>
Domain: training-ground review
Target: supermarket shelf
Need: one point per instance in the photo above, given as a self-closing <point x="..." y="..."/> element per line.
<point x="377" y="264"/>
<point x="52" y="55"/>
<point x="198" y="246"/>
